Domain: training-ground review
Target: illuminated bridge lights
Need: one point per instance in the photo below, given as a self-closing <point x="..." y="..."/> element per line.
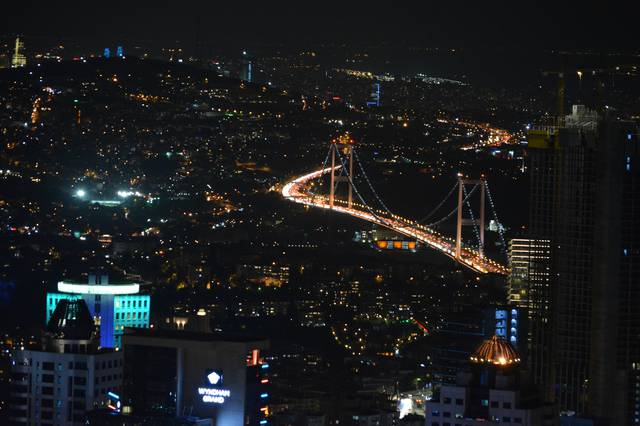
<point x="295" y="191"/>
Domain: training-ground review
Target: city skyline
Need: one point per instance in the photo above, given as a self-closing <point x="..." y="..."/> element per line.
<point x="319" y="214"/>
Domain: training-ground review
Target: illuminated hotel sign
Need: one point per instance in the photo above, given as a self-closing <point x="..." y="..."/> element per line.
<point x="212" y="395"/>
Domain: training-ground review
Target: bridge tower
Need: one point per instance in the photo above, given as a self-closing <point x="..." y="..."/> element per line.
<point x="345" y="144"/>
<point x="462" y="181"/>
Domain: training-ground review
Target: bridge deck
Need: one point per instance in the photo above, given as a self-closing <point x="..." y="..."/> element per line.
<point x="296" y="191"/>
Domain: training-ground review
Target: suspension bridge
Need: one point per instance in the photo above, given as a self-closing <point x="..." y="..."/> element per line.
<point x="304" y="190"/>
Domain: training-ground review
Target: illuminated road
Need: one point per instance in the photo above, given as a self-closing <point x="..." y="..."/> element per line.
<point x="296" y="190"/>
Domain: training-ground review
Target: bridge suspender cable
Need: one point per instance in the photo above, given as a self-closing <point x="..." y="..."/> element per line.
<point x="473" y="219"/>
<point x="495" y="217"/>
<point x="384" y="206"/>
<point x="430" y="225"/>
<point x="427" y="217"/>
<point x="364" y="203"/>
<point x="324" y="165"/>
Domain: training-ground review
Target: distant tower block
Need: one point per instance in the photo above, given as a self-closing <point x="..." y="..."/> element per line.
<point x="246" y="70"/>
<point x="107" y="53"/>
<point x="374" y="98"/>
<point x="346" y="143"/>
<point x="19" y="59"/>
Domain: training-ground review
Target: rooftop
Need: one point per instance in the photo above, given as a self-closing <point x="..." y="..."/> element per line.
<point x="98" y="284"/>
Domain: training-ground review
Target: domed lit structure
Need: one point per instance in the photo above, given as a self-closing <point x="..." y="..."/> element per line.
<point x="495" y="351"/>
<point x="493" y="389"/>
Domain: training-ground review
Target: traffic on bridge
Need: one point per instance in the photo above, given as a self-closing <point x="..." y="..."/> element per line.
<point x="297" y="190"/>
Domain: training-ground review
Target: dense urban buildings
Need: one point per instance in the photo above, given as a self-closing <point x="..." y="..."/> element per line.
<point x="277" y="216"/>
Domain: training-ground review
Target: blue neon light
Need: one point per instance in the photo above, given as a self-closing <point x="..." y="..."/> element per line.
<point x="265" y="366"/>
<point x="264" y="395"/>
<point x="263" y="422"/>
<point x="113" y="395"/>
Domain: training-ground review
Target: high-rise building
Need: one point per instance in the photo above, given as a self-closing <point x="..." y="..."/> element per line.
<point x="374" y="97"/>
<point x="57" y="384"/>
<point x="526" y="257"/>
<point x="492" y="390"/>
<point x="18" y="59"/>
<point x="172" y="373"/>
<point x="585" y="193"/>
<point x="113" y="306"/>
<point x="528" y="287"/>
<point x="246" y="67"/>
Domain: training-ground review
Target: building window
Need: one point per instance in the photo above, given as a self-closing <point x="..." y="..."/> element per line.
<point x="506" y="419"/>
<point x="446" y="400"/>
<point x="495" y="404"/>
<point x="485" y="402"/>
<point x="446" y="414"/>
<point x="459" y="401"/>
<point x="506" y="405"/>
<point x="517" y="420"/>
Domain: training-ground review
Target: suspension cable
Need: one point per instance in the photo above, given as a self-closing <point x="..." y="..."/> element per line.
<point x="427" y="217"/>
<point x="495" y="217"/>
<point x="355" y="189"/>
<point x="473" y="219"/>
<point x="324" y="165"/>
<point x="384" y="206"/>
<point x="454" y="210"/>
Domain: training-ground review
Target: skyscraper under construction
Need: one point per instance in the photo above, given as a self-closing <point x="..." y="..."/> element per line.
<point x="585" y="200"/>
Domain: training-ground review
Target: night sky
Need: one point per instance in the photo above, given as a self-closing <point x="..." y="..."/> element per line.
<point x="444" y="23"/>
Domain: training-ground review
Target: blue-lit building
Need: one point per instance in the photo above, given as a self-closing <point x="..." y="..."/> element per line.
<point x="374" y="98"/>
<point x="246" y="70"/>
<point x="508" y="323"/>
<point x="113" y="306"/>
